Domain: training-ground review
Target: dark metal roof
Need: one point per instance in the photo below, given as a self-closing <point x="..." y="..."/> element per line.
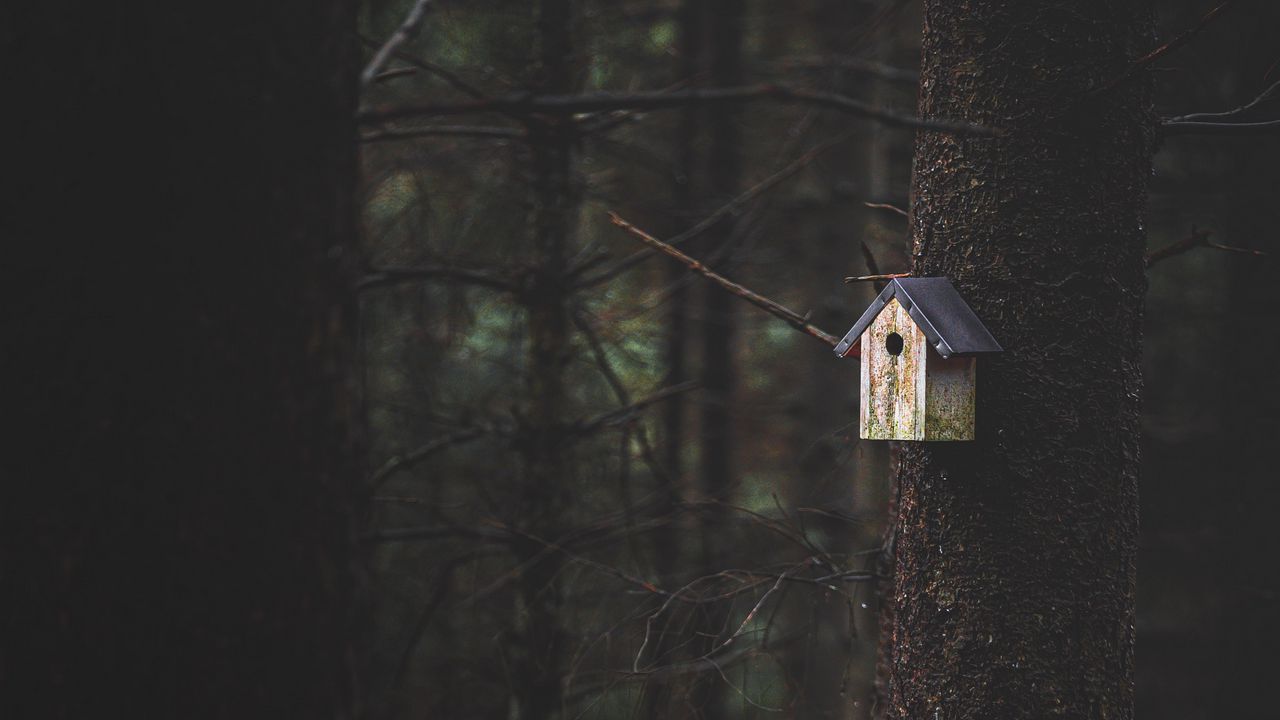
<point x="938" y="310"/>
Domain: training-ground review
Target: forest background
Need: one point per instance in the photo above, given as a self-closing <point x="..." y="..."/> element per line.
<point x="747" y="466"/>
<point x="592" y="484"/>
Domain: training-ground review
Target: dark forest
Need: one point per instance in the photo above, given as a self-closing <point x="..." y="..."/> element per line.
<point x="438" y="359"/>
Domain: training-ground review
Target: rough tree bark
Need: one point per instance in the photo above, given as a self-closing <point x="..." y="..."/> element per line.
<point x="1014" y="585"/>
<point x="179" y="321"/>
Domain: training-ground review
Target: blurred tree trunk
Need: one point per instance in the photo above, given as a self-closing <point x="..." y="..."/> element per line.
<point x="181" y="332"/>
<point x="667" y="556"/>
<point x="723" y="25"/>
<point x="1014" y="582"/>
<point x="538" y="672"/>
<point x="823" y="677"/>
<point x="724" y="166"/>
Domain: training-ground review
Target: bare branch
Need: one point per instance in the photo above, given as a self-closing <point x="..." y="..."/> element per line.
<point x="728" y="209"/>
<point x="624" y="414"/>
<point x="1183" y="38"/>
<point x="1197" y="238"/>
<point x="408" y="460"/>
<point x="1178" y="127"/>
<point x="620" y="392"/>
<point x="407" y="30"/>
<point x="381" y="277"/>
<point x="791" y="317"/>
<point x="876" y="278"/>
<point x="504" y="133"/>
<point x="1264" y="95"/>
<point x="439" y="532"/>
<point x="394" y="73"/>
<point x="439" y="71"/>
<point x="887" y="206"/>
<point x="856" y="64"/>
<point x="525" y="104"/>
<point x="1159" y="52"/>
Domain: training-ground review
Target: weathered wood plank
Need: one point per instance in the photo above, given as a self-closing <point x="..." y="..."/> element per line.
<point x="949" y="397"/>
<point x="915" y="394"/>
<point x="893" y="386"/>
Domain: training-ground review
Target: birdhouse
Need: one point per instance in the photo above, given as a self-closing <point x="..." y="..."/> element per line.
<point x="919" y="343"/>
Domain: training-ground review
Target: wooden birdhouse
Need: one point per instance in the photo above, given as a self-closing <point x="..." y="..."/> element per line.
<point x="919" y="343"/>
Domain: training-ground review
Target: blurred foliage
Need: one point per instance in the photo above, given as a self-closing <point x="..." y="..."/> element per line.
<point x="444" y="356"/>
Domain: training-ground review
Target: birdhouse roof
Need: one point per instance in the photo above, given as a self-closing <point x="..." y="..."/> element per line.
<point x="937" y="309"/>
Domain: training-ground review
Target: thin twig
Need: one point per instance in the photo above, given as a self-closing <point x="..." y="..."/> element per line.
<point x="619" y="416"/>
<point x="450" y="77"/>
<point x="504" y="133"/>
<point x="789" y="316"/>
<point x="728" y="209"/>
<point x="394" y="73"/>
<point x="870" y="259"/>
<point x="1264" y="95"/>
<point x="408" y="460"/>
<point x="380" y="277"/>
<point x="407" y="30"/>
<point x="856" y="64"/>
<point x="887" y="206"/>
<point x="441" y="72"/>
<point x="524" y="104"/>
<point x="1177" y="127"/>
<point x="620" y="392"/>
<point x="1165" y="49"/>
<point x="1197" y="238"/>
<point x="876" y="278"/>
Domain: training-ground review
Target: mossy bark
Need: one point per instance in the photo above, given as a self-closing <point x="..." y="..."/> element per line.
<point x="1014" y="554"/>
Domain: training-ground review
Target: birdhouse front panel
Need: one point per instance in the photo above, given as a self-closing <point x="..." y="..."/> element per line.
<point x="893" y="373"/>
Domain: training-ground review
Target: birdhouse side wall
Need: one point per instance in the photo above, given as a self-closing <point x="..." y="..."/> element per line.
<point x="950" y="397"/>
<point x="893" y="390"/>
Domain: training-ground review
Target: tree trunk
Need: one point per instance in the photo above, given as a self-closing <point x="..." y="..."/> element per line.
<point x="182" y="335"/>
<point x="538" y="673"/>
<point x="718" y="323"/>
<point x="723" y="25"/>
<point x="823" y="668"/>
<point x="1014" y="584"/>
<point x="667" y="556"/>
